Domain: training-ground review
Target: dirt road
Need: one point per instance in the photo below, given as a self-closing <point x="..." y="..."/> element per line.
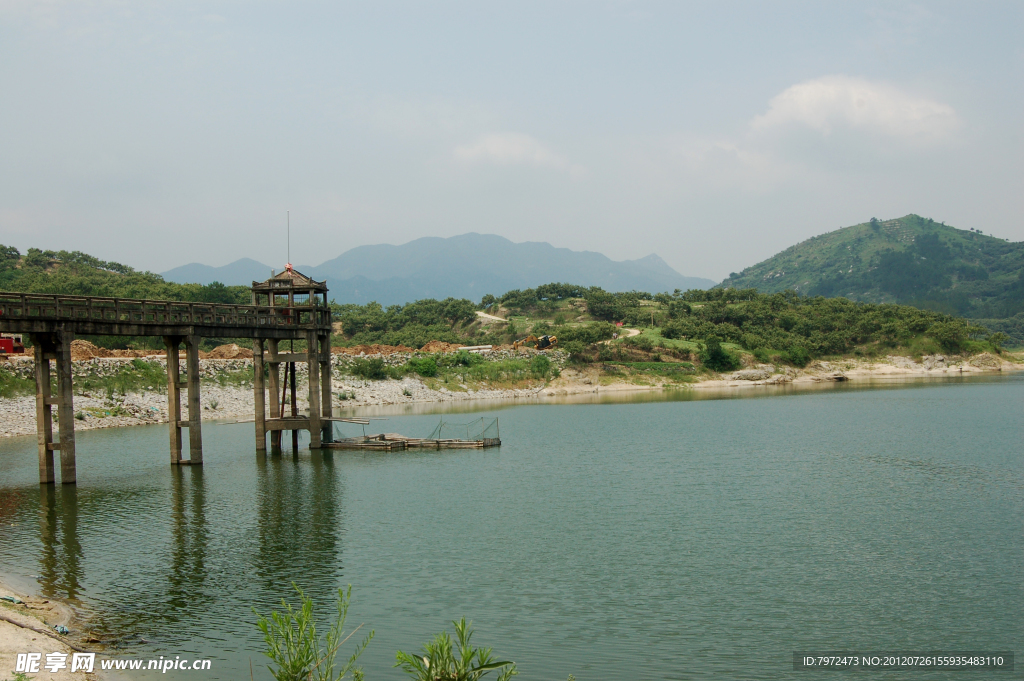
<point x="629" y="333"/>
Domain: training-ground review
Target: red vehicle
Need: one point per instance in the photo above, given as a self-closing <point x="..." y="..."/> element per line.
<point x="11" y="345"/>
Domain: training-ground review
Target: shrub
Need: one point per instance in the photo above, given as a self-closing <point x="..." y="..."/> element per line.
<point x="440" y="660"/>
<point x="577" y="350"/>
<point x="540" y="366"/>
<point x="424" y="366"/>
<point x="797" y="355"/>
<point x="676" y="329"/>
<point x="462" y="359"/>
<point x="751" y="341"/>
<point x="642" y="342"/>
<point x="373" y="368"/>
<point x="295" y="648"/>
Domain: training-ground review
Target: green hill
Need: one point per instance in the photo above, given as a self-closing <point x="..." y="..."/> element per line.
<point x="80" y="274"/>
<point x="911" y="260"/>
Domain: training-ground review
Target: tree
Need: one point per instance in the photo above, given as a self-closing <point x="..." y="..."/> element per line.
<point x="951" y="335"/>
<point x="997" y="340"/>
<point x="717" y="358"/>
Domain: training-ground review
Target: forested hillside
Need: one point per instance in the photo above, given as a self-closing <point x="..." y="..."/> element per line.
<point x="784" y="325"/>
<point x="910" y="260"/>
<point x="77" y="273"/>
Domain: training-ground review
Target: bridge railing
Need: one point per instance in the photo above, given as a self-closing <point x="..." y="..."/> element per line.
<point x="43" y="307"/>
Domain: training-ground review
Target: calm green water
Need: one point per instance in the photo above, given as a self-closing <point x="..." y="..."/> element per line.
<point x="674" y="539"/>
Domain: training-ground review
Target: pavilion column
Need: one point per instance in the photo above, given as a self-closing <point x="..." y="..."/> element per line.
<point x="313" y="366"/>
<point x="274" y="384"/>
<point x="325" y="388"/>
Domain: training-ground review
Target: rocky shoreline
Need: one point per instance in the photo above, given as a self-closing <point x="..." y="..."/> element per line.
<point x="220" y="401"/>
<point x="225" y="401"/>
<point x="23" y="621"/>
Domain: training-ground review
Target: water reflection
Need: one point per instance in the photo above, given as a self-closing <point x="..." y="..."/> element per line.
<point x="189" y="536"/>
<point x="299" y="510"/>
<point x="60" y="561"/>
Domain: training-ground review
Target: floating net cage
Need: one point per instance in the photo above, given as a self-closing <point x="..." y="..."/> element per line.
<point x="348" y="431"/>
<point x="480" y="429"/>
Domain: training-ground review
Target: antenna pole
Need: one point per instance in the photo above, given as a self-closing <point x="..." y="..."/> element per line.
<point x="289" y="214"/>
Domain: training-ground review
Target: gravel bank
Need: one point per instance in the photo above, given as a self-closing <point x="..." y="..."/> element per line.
<point x="223" y="401"/>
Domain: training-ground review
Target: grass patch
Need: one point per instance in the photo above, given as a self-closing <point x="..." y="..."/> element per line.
<point x="642" y="371"/>
<point x="12" y="385"/>
<point x="142" y="376"/>
<point x="453" y="371"/>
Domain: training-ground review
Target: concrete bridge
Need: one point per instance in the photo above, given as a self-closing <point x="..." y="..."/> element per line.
<point x="288" y="306"/>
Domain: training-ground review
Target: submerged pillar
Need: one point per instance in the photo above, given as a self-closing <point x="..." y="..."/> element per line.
<point x="327" y="409"/>
<point x="195" y="414"/>
<point x="44" y="419"/>
<point x="259" y="395"/>
<point x="174" y="396"/>
<point x="289" y="373"/>
<point x="274" y="384"/>
<point x="313" y="369"/>
<point x="65" y="407"/>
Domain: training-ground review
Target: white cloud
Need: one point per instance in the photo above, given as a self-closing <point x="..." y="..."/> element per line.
<point x="830" y="103"/>
<point x="513" y="148"/>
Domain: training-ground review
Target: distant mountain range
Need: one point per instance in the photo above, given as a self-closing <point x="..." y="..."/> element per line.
<point x="466" y="266"/>
<point x="911" y="260"/>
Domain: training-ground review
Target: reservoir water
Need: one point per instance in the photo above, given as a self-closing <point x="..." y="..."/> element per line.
<point x="676" y="539"/>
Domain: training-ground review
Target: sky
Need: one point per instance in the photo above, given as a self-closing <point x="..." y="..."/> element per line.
<point x="714" y="134"/>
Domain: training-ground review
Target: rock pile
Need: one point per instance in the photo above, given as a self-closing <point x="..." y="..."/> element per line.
<point x="230" y="351"/>
<point x="440" y="346"/>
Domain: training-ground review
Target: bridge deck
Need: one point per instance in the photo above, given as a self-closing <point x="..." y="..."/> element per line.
<point x="53" y="321"/>
<point x="93" y="315"/>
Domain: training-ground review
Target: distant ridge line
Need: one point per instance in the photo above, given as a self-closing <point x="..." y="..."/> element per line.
<point x="465" y="266"/>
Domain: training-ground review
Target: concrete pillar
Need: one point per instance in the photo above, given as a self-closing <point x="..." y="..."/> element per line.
<point x="44" y="421"/>
<point x="195" y="414"/>
<point x="313" y="366"/>
<point x="65" y="408"/>
<point x="274" y="384"/>
<point x="327" y="408"/>
<point x="259" y="395"/>
<point x="289" y="374"/>
<point x="174" y="396"/>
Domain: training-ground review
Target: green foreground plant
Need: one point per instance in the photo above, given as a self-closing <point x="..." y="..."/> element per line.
<point x="298" y="652"/>
<point x="441" y="661"/>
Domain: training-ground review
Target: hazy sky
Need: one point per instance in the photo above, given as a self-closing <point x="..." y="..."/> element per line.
<point x="711" y="133"/>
